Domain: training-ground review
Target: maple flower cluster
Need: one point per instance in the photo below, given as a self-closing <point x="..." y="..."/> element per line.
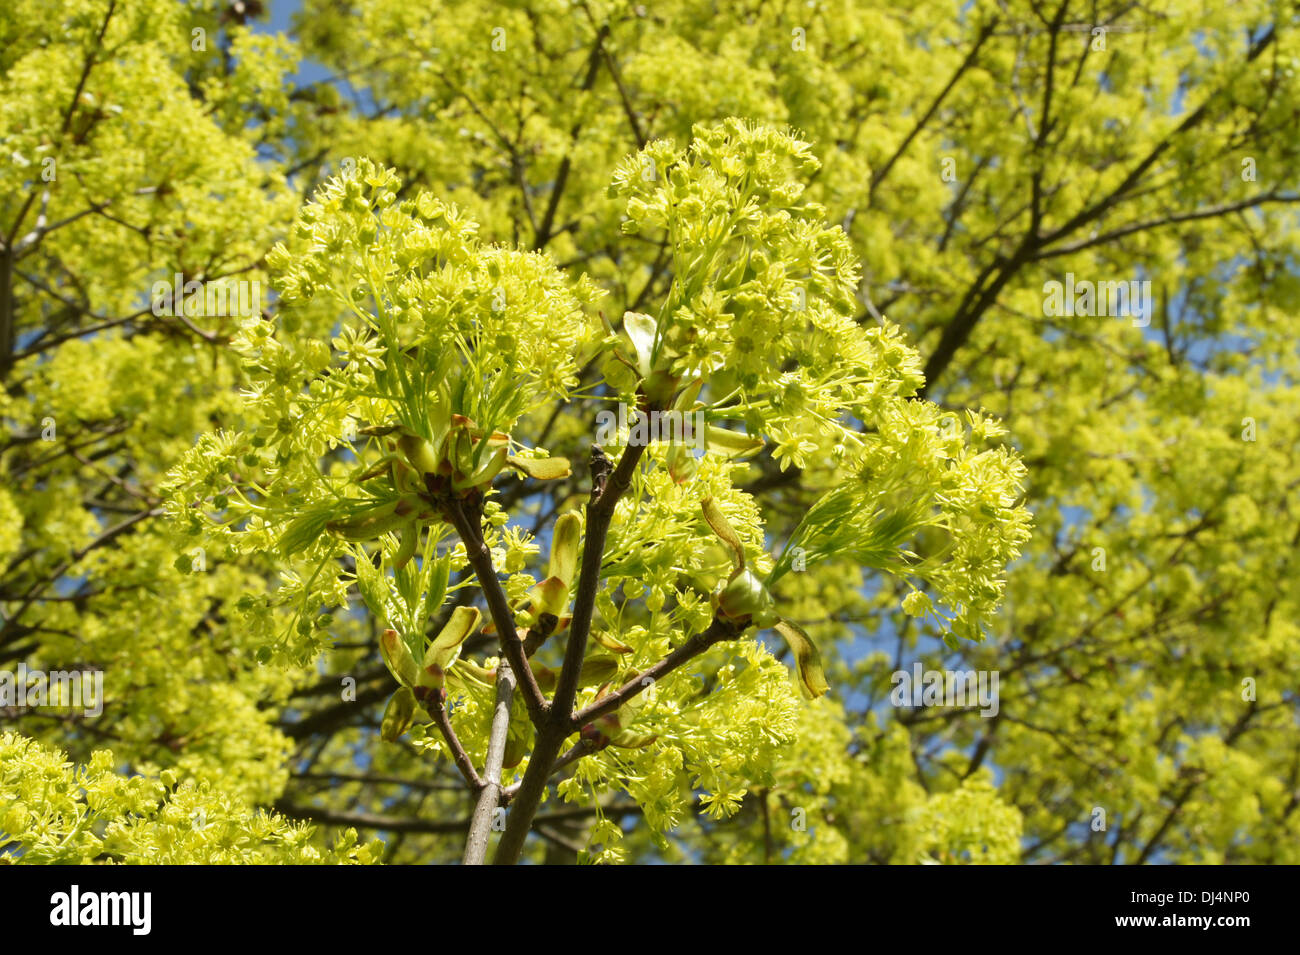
<point x="360" y="454"/>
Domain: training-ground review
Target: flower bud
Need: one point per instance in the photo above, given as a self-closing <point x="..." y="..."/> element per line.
<point x="431" y="696"/>
<point x="744" y="597"/>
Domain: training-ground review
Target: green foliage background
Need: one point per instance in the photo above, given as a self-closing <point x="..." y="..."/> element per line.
<point x="1146" y="640"/>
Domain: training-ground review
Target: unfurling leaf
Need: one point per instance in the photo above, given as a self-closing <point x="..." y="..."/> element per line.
<point x="731" y="444"/>
<point x="398" y="715"/>
<point x="726" y="533"/>
<point x="597" y="670"/>
<point x="807" y="659"/>
<point x="398" y="659"/>
<point x="681" y="463"/>
<point x="445" y="647"/>
<point x="303" y="532"/>
<point x="373" y="586"/>
<point x="542" y="469"/>
<point x="607" y="640"/>
<point x="564" y="548"/>
<point x="370" y="523"/>
<point x="424" y="457"/>
<point x="641" y="329"/>
<point x="437" y="587"/>
<point x="406" y="550"/>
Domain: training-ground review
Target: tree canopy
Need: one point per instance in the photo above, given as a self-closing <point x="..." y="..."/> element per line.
<point x="976" y="321"/>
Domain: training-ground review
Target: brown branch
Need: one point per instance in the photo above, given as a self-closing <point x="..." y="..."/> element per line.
<point x="106" y="537"/>
<point x="879" y="175"/>
<point x="718" y="631"/>
<point x="89" y="65"/>
<point x="606" y="489"/>
<point x="375" y="779"/>
<point x="466" y="523"/>
<point x="1208" y="212"/>
<point x="365" y="820"/>
<point x="628" y="110"/>
<point x="7" y="320"/>
<point x="329" y="717"/>
<point x="437" y="708"/>
<point x="980" y="296"/>
<point x="562" y="174"/>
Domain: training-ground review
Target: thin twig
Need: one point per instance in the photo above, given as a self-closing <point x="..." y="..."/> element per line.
<point x="480" y="558"/>
<point x="490" y="795"/>
<point x="437" y="708"/>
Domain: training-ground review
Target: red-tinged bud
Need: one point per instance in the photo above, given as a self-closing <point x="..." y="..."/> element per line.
<point x="660" y="387"/>
<point x="550" y="597"/>
<point x="397" y="656"/>
<point x="430" y="696"/>
<point x="609" y="724"/>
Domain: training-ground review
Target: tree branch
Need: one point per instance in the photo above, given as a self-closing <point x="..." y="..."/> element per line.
<point x="717" y="632"/>
<point x="489" y="796"/>
<point x="879" y="175"/>
<point x="437" y="708"/>
<point x="606" y="489"/>
<point x="480" y="558"/>
<point x="605" y="494"/>
<point x="562" y="174"/>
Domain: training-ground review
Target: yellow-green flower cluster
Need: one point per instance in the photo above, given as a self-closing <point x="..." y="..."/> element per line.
<point x="764" y="291"/>
<point x="923" y="500"/>
<point x="428" y="307"/>
<point x="53" y="812"/>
